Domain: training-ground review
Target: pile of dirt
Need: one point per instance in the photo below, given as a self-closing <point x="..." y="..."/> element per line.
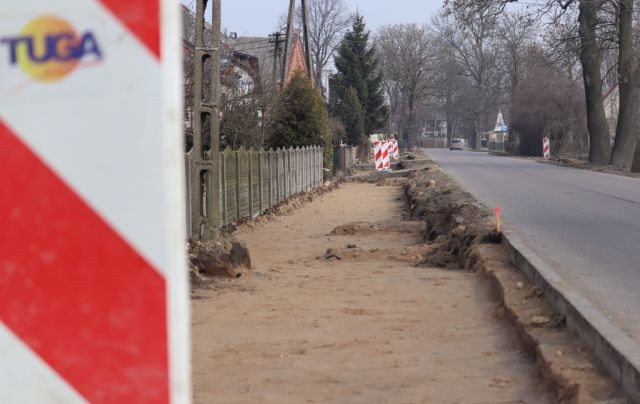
<point x="225" y="257"/>
<point x="413" y="254"/>
<point x="365" y="228"/>
<point x="413" y="164"/>
<point x="454" y="220"/>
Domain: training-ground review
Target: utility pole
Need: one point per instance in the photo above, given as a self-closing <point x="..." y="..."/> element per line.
<point x="287" y="43"/>
<point x="276" y="40"/>
<point x="307" y="43"/>
<point x="289" y="40"/>
<point x="204" y="158"/>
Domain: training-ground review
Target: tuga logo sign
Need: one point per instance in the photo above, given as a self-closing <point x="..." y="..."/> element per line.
<point x="48" y="48"/>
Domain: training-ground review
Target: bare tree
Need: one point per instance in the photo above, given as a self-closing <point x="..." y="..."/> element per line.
<point x="547" y="103"/>
<point x="629" y="88"/>
<point x="394" y="96"/>
<point x="328" y="20"/>
<point x="449" y="81"/>
<point x="561" y="44"/>
<point x="591" y="60"/>
<point x="475" y="48"/>
<point x="406" y="58"/>
<point x="517" y="33"/>
<point x="594" y="31"/>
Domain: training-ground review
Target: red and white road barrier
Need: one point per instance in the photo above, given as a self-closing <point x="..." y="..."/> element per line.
<point x="385" y="155"/>
<point x="377" y="155"/>
<point x="94" y="303"/>
<point x="546" y="148"/>
<point x="395" y="152"/>
<point x="381" y="154"/>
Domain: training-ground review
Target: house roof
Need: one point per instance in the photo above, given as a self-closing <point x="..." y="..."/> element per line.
<point x="258" y="47"/>
<point x="244" y="54"/>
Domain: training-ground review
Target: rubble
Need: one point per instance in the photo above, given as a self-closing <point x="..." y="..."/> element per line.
<point x="224" y="257"/>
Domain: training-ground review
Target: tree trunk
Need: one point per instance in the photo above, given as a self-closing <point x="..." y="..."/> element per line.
<point x="450" y="119"/>
<point x="319" y="74"/>
<point x="628" y="85"/>
<point x="477" y="133"/>
<point x="591" y="60"/>
<point x="411" y="124"/>
<point x="635" y="167"/>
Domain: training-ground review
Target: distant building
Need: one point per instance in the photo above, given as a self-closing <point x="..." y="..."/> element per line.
<point x="240" y="72"/>
<point x="297" y="60"/>
<point x="497" y="138"/>
<point x="254" y="55"/>
<point x="264" y="51"/>
<point x="433" y="134"/>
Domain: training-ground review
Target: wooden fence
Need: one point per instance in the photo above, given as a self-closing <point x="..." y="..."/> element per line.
<point x="253" y="181"/>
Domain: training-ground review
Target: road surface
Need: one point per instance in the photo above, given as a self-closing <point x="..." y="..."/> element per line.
<point x="586" y="225"/>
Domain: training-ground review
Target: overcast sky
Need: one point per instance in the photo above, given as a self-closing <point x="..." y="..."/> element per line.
<point x="260" y="17"/>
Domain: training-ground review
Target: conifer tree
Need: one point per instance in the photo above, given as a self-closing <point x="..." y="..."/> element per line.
<point x="357" y="69"/>
<point x="353" y="117"/>
<point x="301" y="118"/>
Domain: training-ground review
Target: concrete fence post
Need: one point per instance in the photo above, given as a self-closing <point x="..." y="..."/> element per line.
<point x="278" y="178"/>
<point x="290" y="171"/>
<point x="269" y="154"/>
<point x="312" y="168"/>
<point x="321" y="167"/>
<point x="315" y="167"/>
<point x="223" y="167"/>
<point x="310" y="176"/>
<point x="261" y="180"/>
<point x="250" y="180"/>
<point x="298" y="171"/>
<point x="304" y="169"/>
<point x="237" y="161"/>
<point x="188" y="194"/>
<point x="285" y="170"/>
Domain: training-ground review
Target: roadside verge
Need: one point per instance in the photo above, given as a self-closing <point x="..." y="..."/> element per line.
<point x="616" y="352"/>
<point x="545" y="312"/>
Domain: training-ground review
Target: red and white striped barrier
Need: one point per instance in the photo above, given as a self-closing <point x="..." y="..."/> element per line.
<point x="385" y="153"/>
<point x="94" y="303"/>
<point x="381" y="154"/>
<point x="546" y="148"/>
<point x="395" y="152"/>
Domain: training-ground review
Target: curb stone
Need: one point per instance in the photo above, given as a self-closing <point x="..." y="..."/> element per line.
<point x="618" y="354"/>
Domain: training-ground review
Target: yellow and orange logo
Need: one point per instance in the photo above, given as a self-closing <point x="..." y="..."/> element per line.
<point x="48" y="48"/>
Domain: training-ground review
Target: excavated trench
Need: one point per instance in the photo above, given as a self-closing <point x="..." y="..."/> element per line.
<point x="462" y="236"/>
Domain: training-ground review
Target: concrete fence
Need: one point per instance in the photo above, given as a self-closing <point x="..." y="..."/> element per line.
<point x="253" y="181"/>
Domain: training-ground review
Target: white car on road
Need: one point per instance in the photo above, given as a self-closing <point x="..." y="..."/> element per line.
<point x="457" y="144"/>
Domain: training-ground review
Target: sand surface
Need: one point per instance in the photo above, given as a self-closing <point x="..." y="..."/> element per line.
<point x="369" y="327"/>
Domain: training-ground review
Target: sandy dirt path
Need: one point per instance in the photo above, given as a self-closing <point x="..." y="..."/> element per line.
<point x="365" y="329"/>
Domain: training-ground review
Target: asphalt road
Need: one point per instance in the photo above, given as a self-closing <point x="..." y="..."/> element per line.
<point x="586" y="225"/>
